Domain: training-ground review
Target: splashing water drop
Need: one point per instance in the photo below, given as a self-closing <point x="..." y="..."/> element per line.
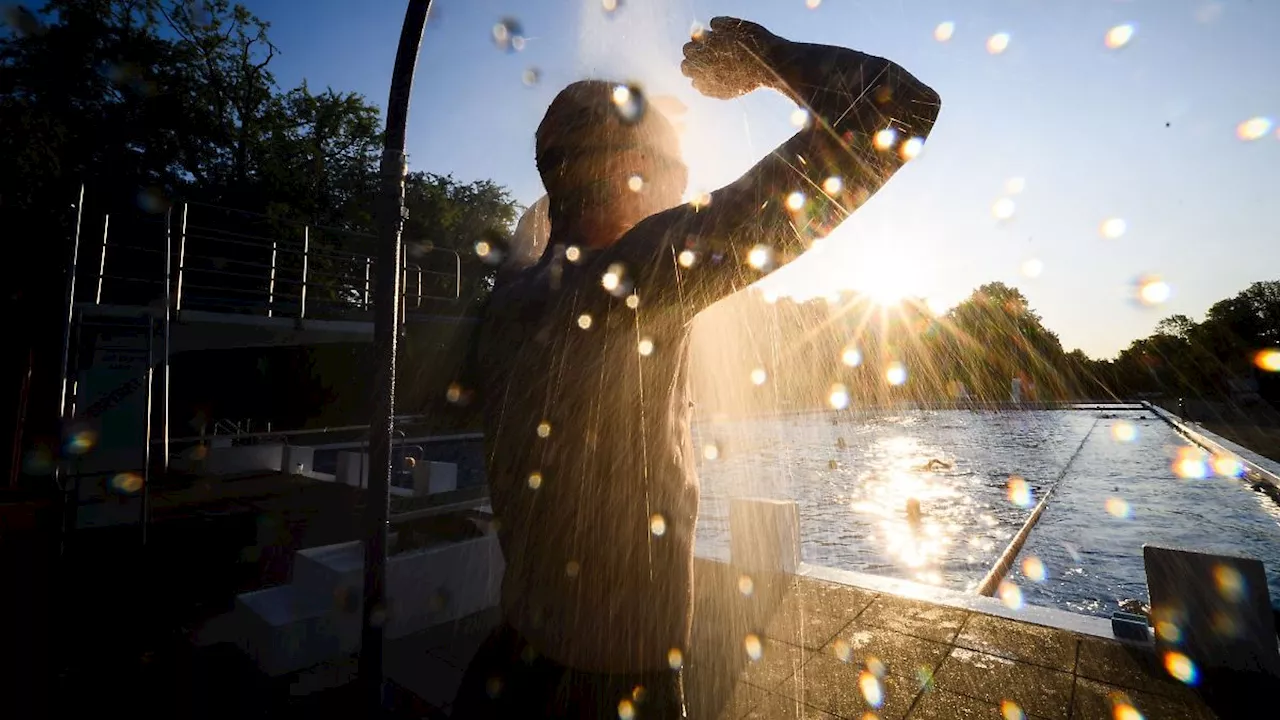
<point x="1181" y="667"/>
<point x="944" y="31"/>
<point x="842" y="650"/>
<point x="896" y="374"/>
<point x="508" y="35"/>
<point x="535" y="480"/>
<point x="1151" y="290"/>
<point x="911" y="148"/>
<point x="1009" y="710"/>
<point x="635" y="183"/>
<point x="675" y="659"/>
<point x="700" y="199"/>
<point x="1124" y="432"/>
<point x="1010" y="595"/>
<point x="1112" y="228"/>
<point x="544" y="429"/>
<point x="612" y="277"/>
<point x="871" y="690"/>
<point x="1003" y="209"/>
<point x="658" y="525"/>
<point x="884" y="139"/>
<point x="531" y="76"/>
<point x="832" y="185"/>
<point x="759" y="376"/>
<point x="1033" y="568"/>
<point x="697" y="30"/>
<point x="1019" y="492"/>
<point x="795" y="201"/>
<point x="646" y="347"/>
<point x="760" y="257"/>
<point x="998" y="43"/>
<point x="838" y="397"/>
<point x="746" y="585"/>
<point x="1033" y="268"/>
<point x="1118" y="508"/>
<point x="1118" y="36"/>
<point x="628" y="100"/>
<point x="1268" y="360"/>
<point x="753" y="647"/>
<point x="584" y="321"/>
<point x="1254" y="128"/>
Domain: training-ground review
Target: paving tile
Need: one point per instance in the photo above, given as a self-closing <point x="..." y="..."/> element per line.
<point x="1127" y="666"/>
<point x="902" y="655"/>
<point x="805" y="629"/>
<point x="745" y="698"/>
<point x="921" y="619"/>
<point x="1099" y="701"/>
<point x="819" y="597"/>
<point x="839" y="688"/>
<point x="1019" y="641"/>
<point x="1037" y="690"/>
<point x="779" y="707"/>
<point x="777" y="662"/>
<point x="942" y="705"/>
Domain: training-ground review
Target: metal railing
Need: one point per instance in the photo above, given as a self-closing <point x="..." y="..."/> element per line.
<point x="238" y="262"/>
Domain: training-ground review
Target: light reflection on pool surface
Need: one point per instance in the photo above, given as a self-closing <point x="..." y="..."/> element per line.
<point x="1084" y="555"/>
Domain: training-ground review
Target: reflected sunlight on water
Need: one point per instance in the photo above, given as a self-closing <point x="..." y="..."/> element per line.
<point x="873" y="500"/>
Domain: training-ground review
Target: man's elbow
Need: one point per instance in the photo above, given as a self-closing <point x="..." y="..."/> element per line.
<point x="917" y="104"/>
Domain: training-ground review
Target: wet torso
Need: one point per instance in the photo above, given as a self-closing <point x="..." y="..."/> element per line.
<point x="591" y="468"/>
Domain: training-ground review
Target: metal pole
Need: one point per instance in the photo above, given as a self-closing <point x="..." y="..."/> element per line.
<point x="102" y="259"/>
<point x="271" y="285"/>
<point x="168" y="307"/>
<point x="182" y="261"/>
<point x="146" y="451"/>
<point x="368" y="263"/>
<point x="71" y="302"/>
<point x="385" y="335"/>
<point x="306" y="250"/>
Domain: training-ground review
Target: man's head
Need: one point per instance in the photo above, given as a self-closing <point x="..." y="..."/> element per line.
<point x="607" y="161"/>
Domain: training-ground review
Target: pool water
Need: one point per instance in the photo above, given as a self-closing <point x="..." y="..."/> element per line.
<point x="854" y="478"/>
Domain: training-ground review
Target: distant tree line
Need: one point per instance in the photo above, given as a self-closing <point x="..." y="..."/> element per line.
<point x="875" y="355"/>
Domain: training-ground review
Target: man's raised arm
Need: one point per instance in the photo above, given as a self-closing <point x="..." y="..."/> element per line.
<point x="867" y="117"/>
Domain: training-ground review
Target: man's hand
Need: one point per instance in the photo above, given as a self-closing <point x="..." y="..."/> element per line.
<point x="731" y="59"/>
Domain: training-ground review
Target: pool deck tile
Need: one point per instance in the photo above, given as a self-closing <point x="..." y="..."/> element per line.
<point x="932" y="662"/>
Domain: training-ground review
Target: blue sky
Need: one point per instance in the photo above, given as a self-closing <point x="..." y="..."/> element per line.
<point x="1146" y="133"/>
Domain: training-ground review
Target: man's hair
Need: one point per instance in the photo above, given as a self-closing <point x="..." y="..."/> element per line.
<point x="598" y="116"/>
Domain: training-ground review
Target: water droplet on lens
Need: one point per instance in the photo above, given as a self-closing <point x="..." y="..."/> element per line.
<point x="1003" y="209"/>
<point x="508" y="35"/>
<point x="635" y="183"/>
<point x="629" y="101"/>
<point x="998" y="43"/>
<point x="584" y="321"/>
<point x="610" y="5"/>
<point x="753" y="647"/>
<point x="675" y="659"/>
<point x="795" y="201"/>
<point x="646" y="347"/>
<point x="544" y="429"/>
<point x="885" y="139"/>
<point x="944" y="31"/>
<point x="759" y="376"/>
<point x="658" y="525"/>
<point x="531" y="76"/>
<point x="1118" y="36"/>
<point x="832" y="185"/>
<point x="1113" y="228"/>
<point x="535" y="480"/>
<point x="1254" y="128"/>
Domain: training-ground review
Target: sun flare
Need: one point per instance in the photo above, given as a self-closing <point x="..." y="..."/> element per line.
<point x="886" y="274"/>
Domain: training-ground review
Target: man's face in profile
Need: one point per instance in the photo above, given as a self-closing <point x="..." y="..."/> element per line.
<point x="609" y="191"/>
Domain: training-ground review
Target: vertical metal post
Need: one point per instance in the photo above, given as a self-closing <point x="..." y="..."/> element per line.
<point x="70" y="317"/>
<point x="386" y="323"/>
<point x="168" y="307"/>
<point x="368" y="264"/>
<point x="271" y="285"/>
<point x="182" y="261"/>
<point x="306" y="252"/>
<point x="102" y="259"/>
<point x="71" y="302"/>
<point x="145" y="511"/>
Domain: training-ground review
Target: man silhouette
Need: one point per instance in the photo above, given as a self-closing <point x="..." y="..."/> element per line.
<point x="583" y="359"/>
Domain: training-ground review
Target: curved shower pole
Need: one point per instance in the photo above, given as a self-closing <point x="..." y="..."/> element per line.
<point x="386" y="331"/>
